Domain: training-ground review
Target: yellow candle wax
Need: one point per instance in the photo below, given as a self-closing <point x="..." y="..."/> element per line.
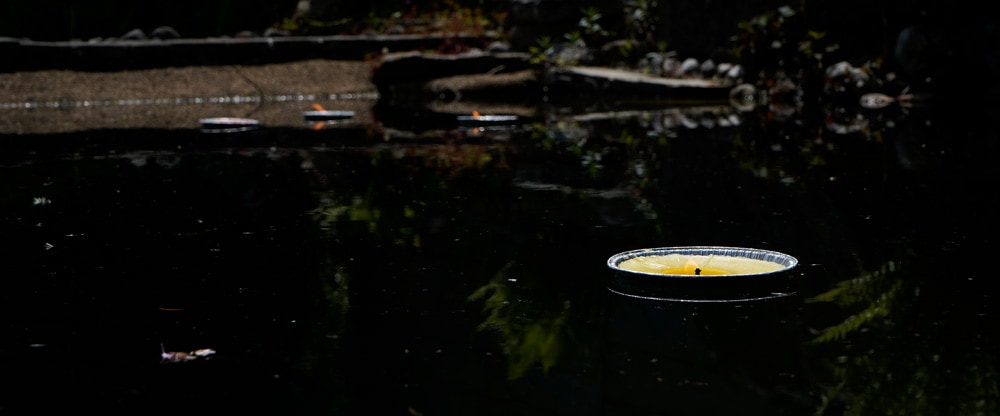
<point x="691" y="268"/>
<point x="698" y="265"/>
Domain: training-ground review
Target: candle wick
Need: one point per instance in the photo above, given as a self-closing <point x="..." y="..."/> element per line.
<point x="697" y="271"/>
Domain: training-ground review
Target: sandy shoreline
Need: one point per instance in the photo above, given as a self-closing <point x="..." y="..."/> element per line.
<point x="52" y="101"/>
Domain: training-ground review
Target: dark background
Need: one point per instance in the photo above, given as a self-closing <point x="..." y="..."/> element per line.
<point x="57" y="20"/>
<point x="685" y="19"/>
<point x="953" y="35"/>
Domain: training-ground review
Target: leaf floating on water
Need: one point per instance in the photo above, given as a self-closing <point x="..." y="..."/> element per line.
<point x="180" y="357"/>
<point x="176" y="357"/>
<point x="204" y="352"/>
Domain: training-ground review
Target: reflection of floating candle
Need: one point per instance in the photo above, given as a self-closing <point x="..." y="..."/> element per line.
<point x="698" y="265"/>
<point x="321" y="116"/>
<point x="479" y="119"/>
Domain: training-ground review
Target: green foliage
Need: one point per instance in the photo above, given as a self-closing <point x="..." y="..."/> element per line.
<point x="438" y="17"/>
<point x="853" y="291"/>
<point x="878" y="309"/>
<point x="641" y="21"/>
<point x="626" y="49"/>
<point x="779" y="41"/>
<point x="541" y="50"/>
<point x="531" y="336"/>
<point x="913" y="366"/>
<point x="868" y="290"/>
<point x="590" y="26"/>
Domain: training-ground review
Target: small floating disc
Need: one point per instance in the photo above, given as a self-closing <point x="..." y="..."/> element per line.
<point x="487" y="120"/>
<point x="228" y="124"/>
<point x="325" y="115"/>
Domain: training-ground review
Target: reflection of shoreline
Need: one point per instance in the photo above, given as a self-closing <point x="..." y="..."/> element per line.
<point x="282" y="111"/>
<point x="277" y="95"/>
<point x="661" y="120"/>
<point x="43" y="102"/>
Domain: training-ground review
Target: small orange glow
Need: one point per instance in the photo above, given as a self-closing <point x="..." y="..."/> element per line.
<point x="319" y="125"/>
<point x="691" y="267"/>
<point x="476" y="113"/>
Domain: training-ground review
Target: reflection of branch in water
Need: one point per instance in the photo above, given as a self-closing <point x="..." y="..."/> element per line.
<point x="261" y="96"/>
<point x="864" y="289"/>
<point x="891" y="358"/>
<point x="658" y="119"/>
<point x="528" y="339"/>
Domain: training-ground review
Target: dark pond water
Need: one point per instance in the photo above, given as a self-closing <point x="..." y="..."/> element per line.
<point x="463" y="272"/>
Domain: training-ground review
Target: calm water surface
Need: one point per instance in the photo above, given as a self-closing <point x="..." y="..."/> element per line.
<point x="463" y="272"/>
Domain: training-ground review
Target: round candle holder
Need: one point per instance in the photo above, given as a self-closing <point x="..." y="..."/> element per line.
<point x="487" y="120"/>
<point x="327" y="115"/>
<point x="702" y="273"/>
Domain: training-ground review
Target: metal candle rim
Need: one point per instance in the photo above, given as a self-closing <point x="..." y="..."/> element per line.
<point x="325" y="115"/>
<point x="488" y="119"/>
<point x="228" y="124"/>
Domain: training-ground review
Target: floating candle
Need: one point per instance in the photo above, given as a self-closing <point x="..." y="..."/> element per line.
<point x="702" y="274"/>
<point x="227" y="124"/>
<point x="327" y="115"/>
<point x="698" y="265"/>
<point x="322" y="114"/>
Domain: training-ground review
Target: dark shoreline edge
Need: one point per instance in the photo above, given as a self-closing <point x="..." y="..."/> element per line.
<point x="118" y="55"/>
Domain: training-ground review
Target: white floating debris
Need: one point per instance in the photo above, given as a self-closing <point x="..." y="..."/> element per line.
<point x="180" y="357"/>
<point x="204" y="352"/>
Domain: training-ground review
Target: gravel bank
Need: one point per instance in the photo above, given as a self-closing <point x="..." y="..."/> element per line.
<point x="52" y="101"/>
